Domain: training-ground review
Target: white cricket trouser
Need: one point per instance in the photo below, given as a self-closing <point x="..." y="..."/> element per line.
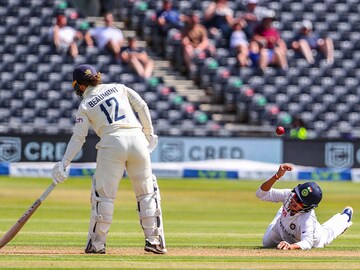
<point x="329" y="230"/>
<point x="126" y="148"/>
<point x="332" y="229"/>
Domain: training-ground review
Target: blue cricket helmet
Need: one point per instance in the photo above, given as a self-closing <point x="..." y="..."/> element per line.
<point x="310" y="194"/>
<point x="82" y="72"/>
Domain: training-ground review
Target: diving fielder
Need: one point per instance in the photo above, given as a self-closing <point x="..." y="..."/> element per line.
<point x="295" y="225"/>
<point x="125" y="142"/>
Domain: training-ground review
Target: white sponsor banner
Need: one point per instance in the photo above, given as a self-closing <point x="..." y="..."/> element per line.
<point x="180" y="149"/>
<point x="31" y="169"/>
<point x="220" y="168"/>
<point x="253" y="170"/>
<point x="224" y="168"/>
<point x="355" y="175"/>
<point x="43" y="169"/>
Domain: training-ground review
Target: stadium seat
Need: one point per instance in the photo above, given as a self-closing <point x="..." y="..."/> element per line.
<point x="4" y="116"/>
<point x="27" y="55"/>
<point x="220" y="80"/>
<point x="162" y="127"/>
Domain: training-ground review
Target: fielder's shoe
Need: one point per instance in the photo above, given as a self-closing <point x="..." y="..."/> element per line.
<point x="348" y="211"/>
<point x="157" y="249"/>
<point x="91" y="249"/>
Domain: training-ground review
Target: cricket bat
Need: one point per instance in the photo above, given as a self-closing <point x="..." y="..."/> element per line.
<point x="12" y="232"/>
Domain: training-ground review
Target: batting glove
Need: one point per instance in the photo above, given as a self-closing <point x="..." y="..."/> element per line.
<point x="153" y="141"/>
<point x="59" y="173"/>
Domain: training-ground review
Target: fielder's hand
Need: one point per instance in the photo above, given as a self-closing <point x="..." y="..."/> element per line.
<point x="284" y="168"/>
<point x="153" y="141"/>
<point x="59" y="173"/>
<point x="284" y="245"/>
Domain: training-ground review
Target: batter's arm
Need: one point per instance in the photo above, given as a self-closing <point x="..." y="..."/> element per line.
<point x="77" y="140"/>
<point x="145" y="120"/>
<point x="141" y="108"/>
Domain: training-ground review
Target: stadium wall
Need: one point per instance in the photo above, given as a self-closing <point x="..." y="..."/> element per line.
<point x="28" y="148"/>
<point x="184" y="157"/>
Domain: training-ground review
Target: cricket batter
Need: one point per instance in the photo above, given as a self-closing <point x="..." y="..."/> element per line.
<point x="125" y="142"/>
<point x="295" y="225"/>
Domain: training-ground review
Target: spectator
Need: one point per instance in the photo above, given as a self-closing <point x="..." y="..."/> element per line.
<point x="169" y="17"/>
<point x="65" y="37"/>
<point x="252" y="16"/>
<point x="267" y="47"/>
<point x="219" y="16"/>
<point x="307" y="40"/>
<point x="106" y="37"/>
<point x="239" y="44"/>
<point x="137" y="58"/>
<point x="195" y="40"/>
<point x="298" y="130"/>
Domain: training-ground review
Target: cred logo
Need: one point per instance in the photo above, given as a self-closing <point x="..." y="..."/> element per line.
<point x="10" y="149"/>
<point x="339" y="155"/>
<point x="172" y="151"/>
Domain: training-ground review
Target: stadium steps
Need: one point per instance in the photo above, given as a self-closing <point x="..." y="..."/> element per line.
<point x="171" y="77"/>
<point x="184" y="86"/>
<point x="188" y="89"/>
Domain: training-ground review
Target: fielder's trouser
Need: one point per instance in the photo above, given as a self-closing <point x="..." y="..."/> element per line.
<point x="332" y="228"/>
<point x="115" y="152"/>
<point x="328" y="231"/>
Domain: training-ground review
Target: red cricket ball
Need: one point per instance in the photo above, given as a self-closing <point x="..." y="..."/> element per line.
<point x="280" y="130"/>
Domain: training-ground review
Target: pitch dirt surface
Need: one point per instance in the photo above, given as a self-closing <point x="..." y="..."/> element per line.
<point x="188" y="252"/>
<point x="177" y="258"/>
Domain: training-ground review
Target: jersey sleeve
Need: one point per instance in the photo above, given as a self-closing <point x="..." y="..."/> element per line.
<point x="273" y="195"/>
<point x="308" y="227"/>
<point x="141" y="108"/>
<point x="78" y="138"/>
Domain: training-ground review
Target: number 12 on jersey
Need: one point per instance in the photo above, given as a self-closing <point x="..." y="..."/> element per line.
<point x="110" y="102"/>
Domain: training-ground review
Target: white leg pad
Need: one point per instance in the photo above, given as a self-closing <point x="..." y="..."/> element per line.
<point x="149" y="208"/>
<point x="102" y="210"/>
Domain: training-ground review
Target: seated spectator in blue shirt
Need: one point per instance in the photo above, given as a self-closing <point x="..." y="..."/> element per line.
<point x="307" y="40"/>
<point x="169" y="17"/>
<point x="218" y="16"/>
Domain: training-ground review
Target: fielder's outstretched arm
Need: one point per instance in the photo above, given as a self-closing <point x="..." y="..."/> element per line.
<point x="266" y="186"/>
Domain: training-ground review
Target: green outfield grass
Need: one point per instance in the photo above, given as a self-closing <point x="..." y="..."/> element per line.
<point x="209" y="224"/>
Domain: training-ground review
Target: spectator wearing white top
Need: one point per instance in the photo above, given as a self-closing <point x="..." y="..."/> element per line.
<point x="65" y="37"/>
<point x="239" y="44"/>
<point x="106" y="37"/>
